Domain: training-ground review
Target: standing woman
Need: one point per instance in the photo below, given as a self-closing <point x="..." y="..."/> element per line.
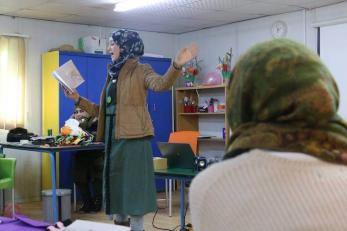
<point x="126" y="127"/>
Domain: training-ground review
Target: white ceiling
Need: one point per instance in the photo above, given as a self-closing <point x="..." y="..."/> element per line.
<point x="170" y="16"/>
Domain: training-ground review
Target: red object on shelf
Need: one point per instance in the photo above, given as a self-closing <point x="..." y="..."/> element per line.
<point x="190" y="109"/>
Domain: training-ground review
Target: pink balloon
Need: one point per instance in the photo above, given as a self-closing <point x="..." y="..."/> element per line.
<point x="212" y="78"/>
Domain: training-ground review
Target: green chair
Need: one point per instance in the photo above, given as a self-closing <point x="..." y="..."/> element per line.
<point x="7" y="176"/>
<point x="2" y="198"/>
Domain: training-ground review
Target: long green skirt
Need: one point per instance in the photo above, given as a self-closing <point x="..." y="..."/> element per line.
<point x="129" y="187"/>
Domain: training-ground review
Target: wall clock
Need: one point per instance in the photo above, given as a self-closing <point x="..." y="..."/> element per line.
<point x="279" y="29"/>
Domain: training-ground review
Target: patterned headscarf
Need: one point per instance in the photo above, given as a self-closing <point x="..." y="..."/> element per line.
<point x="283" y="98"/>
<point x="131" y="46"/>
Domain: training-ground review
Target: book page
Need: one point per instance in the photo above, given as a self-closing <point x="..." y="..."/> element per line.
<point x="68" y="76"/>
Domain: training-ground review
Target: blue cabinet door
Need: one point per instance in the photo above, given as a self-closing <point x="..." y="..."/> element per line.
<point x="93" y="69"/>
<point x="66" y="108"/>
<point x="160" y="105"/>
<point x="96" y="78"/>
<point x="160" y="109"/>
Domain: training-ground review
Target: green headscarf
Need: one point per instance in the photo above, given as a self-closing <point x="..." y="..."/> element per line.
<point x="283" y="98"/>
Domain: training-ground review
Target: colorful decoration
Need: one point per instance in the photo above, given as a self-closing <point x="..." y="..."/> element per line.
<point x="190" y="71"/>
<point x="224" y="65"/>
<point x="72" y="134"/>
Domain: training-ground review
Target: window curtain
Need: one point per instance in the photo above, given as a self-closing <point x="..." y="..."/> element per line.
<point x="12" y="82"/>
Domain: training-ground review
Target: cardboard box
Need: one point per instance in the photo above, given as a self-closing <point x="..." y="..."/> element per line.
<point x="92" y="44"/>
<point x="159" y="163"/>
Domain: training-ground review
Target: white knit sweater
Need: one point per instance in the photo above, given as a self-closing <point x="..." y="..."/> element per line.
<point x="267" y="191"/>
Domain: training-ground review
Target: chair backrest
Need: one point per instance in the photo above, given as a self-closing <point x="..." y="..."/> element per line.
<point x="188" y="137"/>
<point x="7" y="170"/>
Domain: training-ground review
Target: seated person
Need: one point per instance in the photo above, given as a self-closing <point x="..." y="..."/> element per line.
<point x="88" y="167"/>
<point x="285" y="166"/>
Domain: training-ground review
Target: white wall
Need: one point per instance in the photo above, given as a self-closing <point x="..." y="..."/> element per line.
<point x="45" y="35"/>
<point x="240" y="36"/>
<point x="213" y="42"/>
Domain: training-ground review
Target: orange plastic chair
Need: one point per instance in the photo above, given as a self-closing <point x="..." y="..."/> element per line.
<point x="188" y="137"/>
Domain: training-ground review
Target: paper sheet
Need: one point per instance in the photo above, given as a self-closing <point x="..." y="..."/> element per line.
<point x="81" y="225"/>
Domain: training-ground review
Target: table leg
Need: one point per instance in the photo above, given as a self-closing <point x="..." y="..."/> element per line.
<point x="182" y="204"/>
<point x="170" y="197"/>
<point x="54" y="189"/>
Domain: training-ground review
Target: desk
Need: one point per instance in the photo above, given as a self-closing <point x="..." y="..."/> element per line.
<point x="182" y="175"/>
<point x="52" y="153"/>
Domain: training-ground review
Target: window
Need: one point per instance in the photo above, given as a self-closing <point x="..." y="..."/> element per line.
<point x="334" y="54"/>
<point x="12" y="82"/>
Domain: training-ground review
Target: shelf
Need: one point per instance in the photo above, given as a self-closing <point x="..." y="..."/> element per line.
<point x="212" y="139"/>
<point x="201" y="121"/>
<point x="200" y="87"/>
<point x="202" y="113"/>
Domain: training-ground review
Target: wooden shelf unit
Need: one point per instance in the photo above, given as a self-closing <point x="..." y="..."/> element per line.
<point x="190" y="121"/>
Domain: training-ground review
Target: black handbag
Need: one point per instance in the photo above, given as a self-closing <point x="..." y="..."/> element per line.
<point x="17" y="134"/>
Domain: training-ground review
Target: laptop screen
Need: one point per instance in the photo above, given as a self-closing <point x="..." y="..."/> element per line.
<point x="179" y="155"/>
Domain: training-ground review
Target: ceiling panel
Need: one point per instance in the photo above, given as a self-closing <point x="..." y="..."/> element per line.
<point x="37" y="14"/>
<point x="183" y="12"/>
<point x="78" y="14"/>
<point x="97" y="21"/>
<point x="190" y="13"/>
<point x="223" y="5"/>
<point x="4" y="9"/>
<point x="58" y="7"/>
<point x="308" y="4"/>
<point x="20" y="4"/>
<point x="266" y="8"/>
<point x="170" y="16"/>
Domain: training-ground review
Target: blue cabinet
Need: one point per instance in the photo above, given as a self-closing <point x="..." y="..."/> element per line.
<point x="93" y="68"/>
<point x="159" y="105"/>
<point x="160" y="108"/>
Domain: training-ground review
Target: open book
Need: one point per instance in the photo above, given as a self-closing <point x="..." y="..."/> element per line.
<point x="68" y="76"/>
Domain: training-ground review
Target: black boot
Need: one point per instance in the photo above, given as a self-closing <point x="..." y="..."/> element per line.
<point x="96" y="204"/>
<point x="86" y="207"/>
<point x="86" y="197"/>
<point x="124" y="223"/>
<point x="87" y="203"/>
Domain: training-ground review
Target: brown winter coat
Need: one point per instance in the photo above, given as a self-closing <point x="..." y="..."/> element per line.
<point x="132" y="116"/>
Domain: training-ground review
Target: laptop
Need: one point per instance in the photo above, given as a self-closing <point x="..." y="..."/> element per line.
<point x="179" y="155"/>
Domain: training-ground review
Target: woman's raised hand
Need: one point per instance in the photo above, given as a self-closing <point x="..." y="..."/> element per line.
<point x="186" y="54"/>
<point x="71" y="95"/>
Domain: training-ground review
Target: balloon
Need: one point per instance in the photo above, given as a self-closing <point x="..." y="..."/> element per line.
<point x="212" y="78"/>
